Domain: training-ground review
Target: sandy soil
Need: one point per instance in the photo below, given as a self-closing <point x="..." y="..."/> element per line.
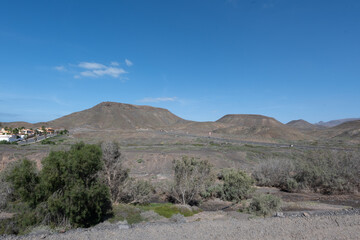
<point x="325" y="227"/>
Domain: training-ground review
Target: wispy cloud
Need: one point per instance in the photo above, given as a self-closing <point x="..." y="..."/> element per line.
<point x="95" y="70"/>
<point x="128" y="63"/>
<point x="91" y="65"/>
<point x="60" y="68"/>
<point x="159" y="99"/>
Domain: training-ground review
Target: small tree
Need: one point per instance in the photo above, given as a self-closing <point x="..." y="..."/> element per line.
<point x="44" y="130"/>
<point x="191" y="178"/>
<point x="116" y="176"/>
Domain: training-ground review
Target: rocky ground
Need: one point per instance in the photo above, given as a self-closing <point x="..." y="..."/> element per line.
<point x="343" y="224"/>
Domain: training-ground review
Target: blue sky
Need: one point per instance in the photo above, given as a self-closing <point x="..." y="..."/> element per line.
<point x="201" y="59"/>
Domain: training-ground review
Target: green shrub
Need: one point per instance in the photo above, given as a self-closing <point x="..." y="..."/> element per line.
<point x="264" y="205"/>
<point x="127" y="212"/>
<point x="237" y="185"/>
<point x="71" y="185"/>
<point x="47" y="141"/>
<point x="67" y="190"/>
<point x="24" y="178"/>
<point x="168" y="210"/>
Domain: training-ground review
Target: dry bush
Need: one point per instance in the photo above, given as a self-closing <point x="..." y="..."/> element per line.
<point x="276" y="173"/>
<point x="191" y="178"/>
<point x="327" y="172"/>
<point x="116" y="176"/>
<point x="141" y="191"/>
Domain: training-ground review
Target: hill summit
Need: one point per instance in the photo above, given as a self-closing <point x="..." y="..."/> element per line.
<point x="112" y="115"/>
<point x="257" y="125"/>
<point x="303" y="125"/>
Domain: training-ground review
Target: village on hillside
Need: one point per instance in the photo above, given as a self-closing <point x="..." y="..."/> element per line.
<point x="17" y="134"/>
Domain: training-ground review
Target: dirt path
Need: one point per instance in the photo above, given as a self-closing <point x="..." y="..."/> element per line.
<point x="325" y="227"/>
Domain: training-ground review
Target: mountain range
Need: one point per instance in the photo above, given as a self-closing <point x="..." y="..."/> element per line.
<point x="128" y="117"/>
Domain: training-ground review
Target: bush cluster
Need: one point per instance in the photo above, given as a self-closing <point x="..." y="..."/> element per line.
<point x="67" y="191"/>
<point x="325" y="172"/>
<point x="195" y="181"/>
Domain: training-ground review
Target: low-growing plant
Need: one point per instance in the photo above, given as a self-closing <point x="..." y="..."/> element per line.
<point x="264" y="205"/>
<point x="130" y="213"/>
<point x="168" y="210"/>
<point x="48" y="142"/>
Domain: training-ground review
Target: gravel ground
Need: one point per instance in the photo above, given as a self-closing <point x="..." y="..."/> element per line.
<point x="342" y="225"/>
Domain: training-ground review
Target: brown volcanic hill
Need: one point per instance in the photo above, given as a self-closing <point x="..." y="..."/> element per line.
<point x="112" y="115"/>
<point x="336" y="122"/>
<point x="303" y="125"/>
<point x="259" y="126"/>
<point x="16" y="124"/>
<point x="348" y="130"/>
<point x="249" y="120"/>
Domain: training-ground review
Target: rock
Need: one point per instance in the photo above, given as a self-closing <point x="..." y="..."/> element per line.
<point x="305" y="214"/>
<point x="195" y="209"/>
<point x="279" y="214"/>
<point x="178" y="218"/>
<point x="123" y="225"/>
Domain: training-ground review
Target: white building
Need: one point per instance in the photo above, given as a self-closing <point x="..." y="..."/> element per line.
<point x="8" y="138"/>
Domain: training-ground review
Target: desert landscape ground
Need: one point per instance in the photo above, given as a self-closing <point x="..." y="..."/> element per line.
<point x="150" y="139"/>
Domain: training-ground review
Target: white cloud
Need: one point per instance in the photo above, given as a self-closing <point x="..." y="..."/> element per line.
<point x="128" y="62"/>
<point x="159" y="99"/>
<point x="88" y="74"/>
<point x="91" y="65"/>
<point x="94" y="70"/>
<point x="60" y="68"/>
<point x="111" y="71"/>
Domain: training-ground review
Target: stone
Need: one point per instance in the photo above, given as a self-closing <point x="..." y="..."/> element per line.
<point x="178" y="218"/>
<point x="305" y="214"/>
<point x="279" y="214"/>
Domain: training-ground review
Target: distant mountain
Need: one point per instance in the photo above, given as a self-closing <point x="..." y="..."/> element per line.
<point x="16" y="124"/>
<point x="112" y="115"/>
<point x="347" y="130"/>
<point x="258" y="125"/>
<point x="334" y="123"/>
<point x="120" y="116"/>
<point x="303" y="125"/>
